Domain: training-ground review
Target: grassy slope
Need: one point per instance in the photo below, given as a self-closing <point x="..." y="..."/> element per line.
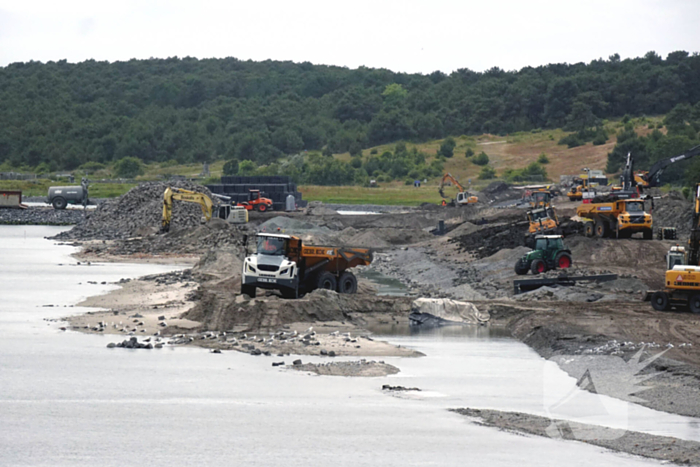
<point x="513" y="151"/>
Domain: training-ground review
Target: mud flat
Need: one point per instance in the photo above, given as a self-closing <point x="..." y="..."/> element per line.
<point x="661" y="448"/>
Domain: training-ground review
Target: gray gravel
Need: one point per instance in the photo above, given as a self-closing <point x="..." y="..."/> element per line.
<point x="41" y="216"/>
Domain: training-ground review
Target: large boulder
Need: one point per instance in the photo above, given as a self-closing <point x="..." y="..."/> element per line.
<point x="442" y="311"/>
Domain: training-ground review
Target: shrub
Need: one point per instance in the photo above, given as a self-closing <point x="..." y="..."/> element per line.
<point x="373" y="151"/>
<point x="543" y="159"/>
<point x="128" y="167"/>
<point x="600" y="139"/>
<point x="573" y="140"/>
<point x="487" y="173"/>
<point x="231" y="167"/>
<point x="447" y="147"/>
<point x="469" y="153"/>
<point x="686" y="192"/>
<point x="481" y="159"/>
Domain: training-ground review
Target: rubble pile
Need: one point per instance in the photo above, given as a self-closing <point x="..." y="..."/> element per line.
<point x="137" y="213"/>
<point x="489" y="240"/>
<point x="42" y="216"/>
<point x="673" y="210"/>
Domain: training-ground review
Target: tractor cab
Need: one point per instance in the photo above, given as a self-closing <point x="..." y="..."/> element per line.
<point x="675" y="257"/>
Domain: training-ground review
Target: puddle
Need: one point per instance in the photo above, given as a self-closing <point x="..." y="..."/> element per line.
<point x="385" y="285"/>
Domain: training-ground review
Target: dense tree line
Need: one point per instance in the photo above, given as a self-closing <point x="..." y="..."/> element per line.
<point x="64" y="115"/>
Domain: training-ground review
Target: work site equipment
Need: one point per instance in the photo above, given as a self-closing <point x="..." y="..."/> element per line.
<point x="283" y="263"/>
<point x="682" y="284"/>
<point x="463" y="196"/>
<point x="615" y="218"/>
<point x="652" y="177"/>
<point x="256" y="202"/>
<point x="61" y="196"/>
<point x="526" y="285"/>
<point x="549" y="253"/>
<point x="542" y="220"/>
<point x="231" y="214"/>
<point x="666" y="233"/>
<point x="11" y="199"/>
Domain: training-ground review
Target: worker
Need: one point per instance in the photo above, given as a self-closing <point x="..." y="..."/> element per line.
<point x="444" y="203"/>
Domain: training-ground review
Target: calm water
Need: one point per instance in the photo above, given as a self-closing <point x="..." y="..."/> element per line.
<point x="65" y="399"/>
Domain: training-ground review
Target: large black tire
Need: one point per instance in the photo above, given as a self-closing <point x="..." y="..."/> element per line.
<point x="261" y="207"/>
<point x="602" y="229"/>
<point x="659" y="301"/>
<point x="589" y="229"/>
<point x="326" y="280"/>
<point x="648" y="234"/>
<point x="694" y="303"/>
<point x="563" y="260"/>
<point x="248" y="290"/>
<point x="59" y="203"/>
<point x="347" y="283"/>
<point x="521" y="268"/>
<point x="538" y="266"/>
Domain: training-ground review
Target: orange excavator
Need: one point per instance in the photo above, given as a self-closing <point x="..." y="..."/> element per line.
<point x="463" y="196"/>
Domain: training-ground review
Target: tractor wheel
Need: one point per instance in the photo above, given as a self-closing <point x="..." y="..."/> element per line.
<point x="59" y="203"/>
<point x="327" y="281"/>
<point x="261" y="207"/>
<point x="648" y="234"/>
<point x="521" y="268"/>
<point x="248" y="290"/>
<point x="347" y="283"/>
<point x="563" y="260"/>
<point x="694" y="303"/>
<point x="538" y="266"/>
<point x="589" y="229"/>
<point x="601" y="229"/>
<point x="659" y="301"/>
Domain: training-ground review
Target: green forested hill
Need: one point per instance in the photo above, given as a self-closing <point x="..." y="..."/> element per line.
<point x="64" y="114"/>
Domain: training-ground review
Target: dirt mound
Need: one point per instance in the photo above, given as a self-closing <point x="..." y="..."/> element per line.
<point x="136" y="213"/>
<point x="220" y="309"/>
<point x="673" y="210"/>
<point x="288" y="225"/>
<point x="490" y="239"/>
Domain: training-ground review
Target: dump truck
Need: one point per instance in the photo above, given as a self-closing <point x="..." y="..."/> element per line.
<point x="616" y="217"/>
<point x="282" y="262"/>
<point x="682" y="278"/>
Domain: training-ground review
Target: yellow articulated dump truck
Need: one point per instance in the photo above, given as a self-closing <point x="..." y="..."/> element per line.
<point x="281" y="262"/>
<point x="615" y="218"/>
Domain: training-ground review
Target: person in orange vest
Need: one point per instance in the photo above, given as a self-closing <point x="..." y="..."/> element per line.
<point x="444" y="203"/>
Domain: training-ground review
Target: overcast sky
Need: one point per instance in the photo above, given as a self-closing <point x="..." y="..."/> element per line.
<point x="409" y="35"/>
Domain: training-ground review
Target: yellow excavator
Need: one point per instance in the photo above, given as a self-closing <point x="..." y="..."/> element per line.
<point x="232" y="214"/>
<point x="463" y="196"/>
<point x="682" y="284"/>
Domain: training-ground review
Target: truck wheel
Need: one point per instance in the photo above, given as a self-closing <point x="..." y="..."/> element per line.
<point x="589" y="229"/>
<point x="521" y="268"/>
<point x="694" y="303"/>
<point x="248" y="290"/>
<point x="648" y="234"/>
<point x="563" y="260"/>
<point x="347" y="283"/>
<point x="327" y="281"/>
<point x="601" y="229"/>
<point x="59" y="203"/>
<point x="659" y="301"/>
<point x="538" y="266"/>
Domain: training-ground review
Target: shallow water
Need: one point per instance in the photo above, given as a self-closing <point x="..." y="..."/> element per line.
<point x="65" y="399"/>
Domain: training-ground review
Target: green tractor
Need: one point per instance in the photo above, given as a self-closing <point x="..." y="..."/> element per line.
<point x="549" y="253"/>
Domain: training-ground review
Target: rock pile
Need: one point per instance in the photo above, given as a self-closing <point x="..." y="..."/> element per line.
<point x="133" y="343"/>
<point x="42" y="216"/>
<point x="136" y="213"/>
<point x="357" y="368"/>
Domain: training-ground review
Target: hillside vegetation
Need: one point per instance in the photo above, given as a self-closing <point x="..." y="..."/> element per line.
<point x="59" y="116"/>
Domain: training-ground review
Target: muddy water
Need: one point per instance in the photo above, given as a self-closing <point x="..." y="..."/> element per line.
<point x="65" y="399"/>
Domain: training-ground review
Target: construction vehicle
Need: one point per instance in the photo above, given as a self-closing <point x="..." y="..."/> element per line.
<point x="620" y="214"/>
<point x="682" y="281"/>
<point x="463" y="196"/>
<point x="61" y="196"/>
<point x="576" y="191"/>
<point x="652" y="177"/>
<point x="283" y="263"/>
<point x="549" y="253"/>
<point x="256" y="202"/>
<point x="231" y="214"/>
<point x="543" y="220"/>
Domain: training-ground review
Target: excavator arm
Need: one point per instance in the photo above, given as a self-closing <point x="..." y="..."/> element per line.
<point x="449" y="178"/>
<point x="653" y="177"/>
<point x="189" y="196"/>
<point x="694" y="241"/>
